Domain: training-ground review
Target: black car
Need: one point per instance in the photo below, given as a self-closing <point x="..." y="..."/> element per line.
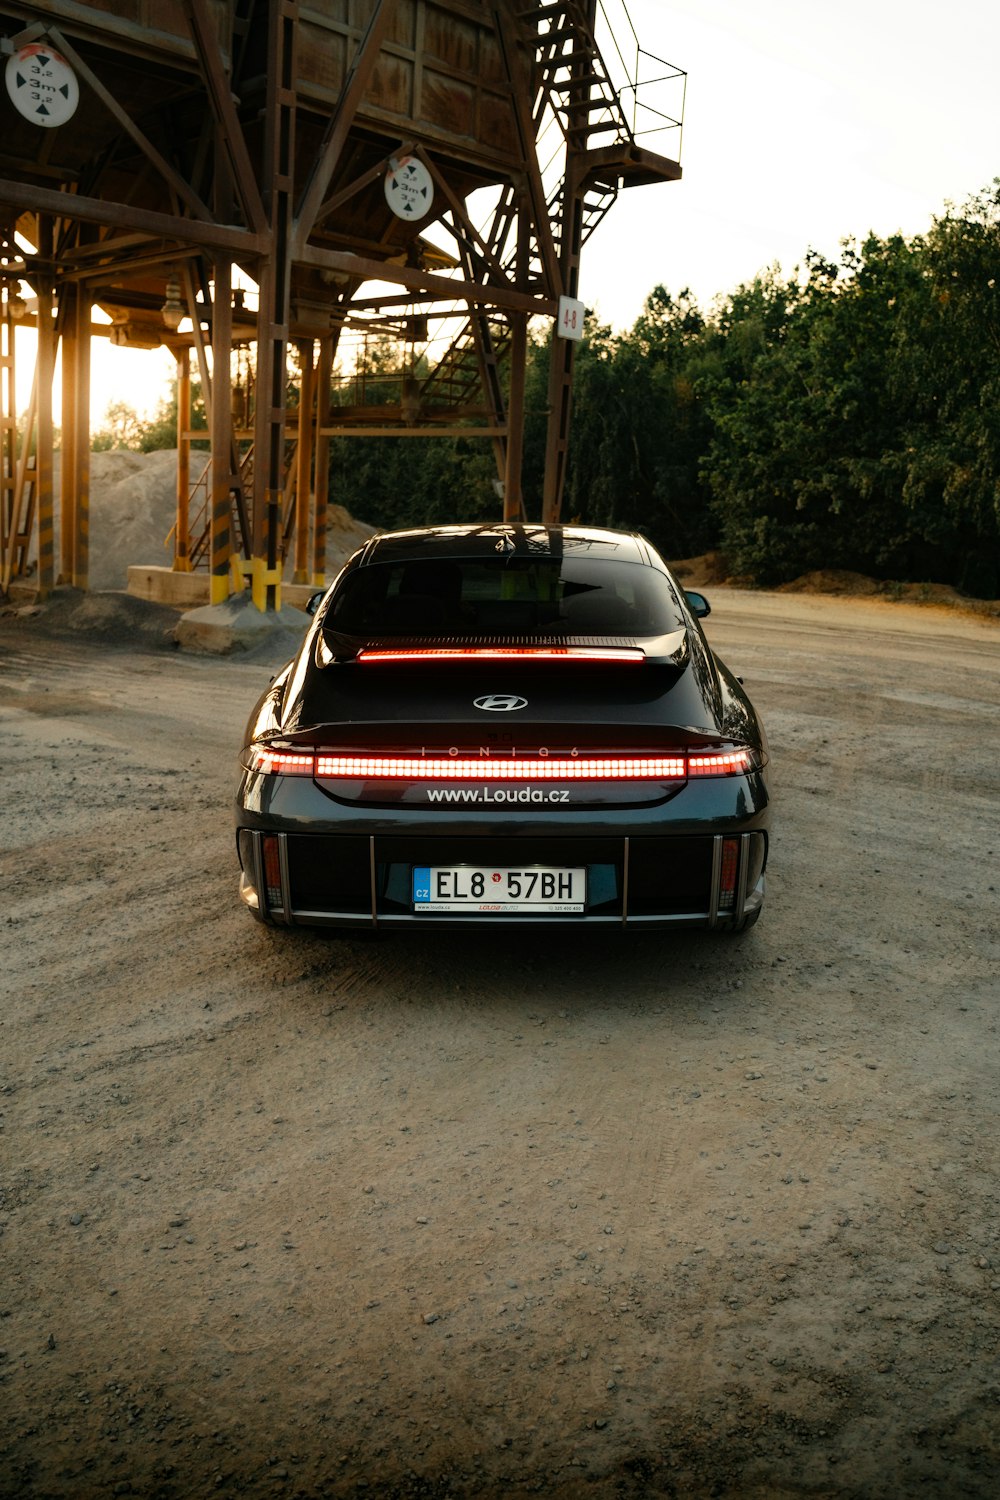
<point x="505" y="723"/>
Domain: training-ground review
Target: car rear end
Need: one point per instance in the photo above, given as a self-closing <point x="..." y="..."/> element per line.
<point x="506" y="766"/>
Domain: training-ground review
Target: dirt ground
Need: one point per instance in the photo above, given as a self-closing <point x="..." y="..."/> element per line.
<point x="288" y="1214"/>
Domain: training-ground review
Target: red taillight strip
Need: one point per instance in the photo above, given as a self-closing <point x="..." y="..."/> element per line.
<point x="331" y="765"/>
<point x="720" y="763"/>
<point x="281" y="762"/>
<point x="383" y="656"/>
<point x="582" y="768"/>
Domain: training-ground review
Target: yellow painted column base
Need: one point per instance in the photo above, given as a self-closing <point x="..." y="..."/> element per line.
<point x="261" y="578"/>
<point x="218" y="588"/>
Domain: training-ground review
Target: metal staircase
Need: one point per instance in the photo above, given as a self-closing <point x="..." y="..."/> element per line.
<point x="575" y="100"/>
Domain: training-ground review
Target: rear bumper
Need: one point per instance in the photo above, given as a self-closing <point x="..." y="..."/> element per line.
<point x="322" y="880"/>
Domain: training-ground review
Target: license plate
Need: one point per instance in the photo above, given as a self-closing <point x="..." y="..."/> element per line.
<point x="503" y="892"/>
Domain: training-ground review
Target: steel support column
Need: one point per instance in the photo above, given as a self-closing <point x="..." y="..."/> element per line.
<point x="8" y="430"/>
<point x="46" y="436"/>
<point x="322" y="481"/>
<point x="513" y="495"/>
<point x="303" y="462"/>
<point x="182" y="533"/>
<point x="81" y="532"/>
<point x="272" y="318"/>
<point x="221" y="432"/>
<point x="561" y="358"/>
<point x="68" y="299"/>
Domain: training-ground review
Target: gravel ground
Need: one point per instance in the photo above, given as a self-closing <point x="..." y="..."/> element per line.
<point x="290" y="1214"/>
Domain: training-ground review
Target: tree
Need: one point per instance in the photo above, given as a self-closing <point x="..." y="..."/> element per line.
<point x="123" y="429"/>
<point x="854" y="411"/>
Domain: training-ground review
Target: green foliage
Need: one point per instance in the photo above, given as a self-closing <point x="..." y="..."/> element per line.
<point x="855" y="420"/>
<point x="638" y="430"/>
<point x="124" y="429"/>
<point x="399" y="482"/>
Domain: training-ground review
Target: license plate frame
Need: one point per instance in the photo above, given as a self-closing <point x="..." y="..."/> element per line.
<point x="531" y="890"/>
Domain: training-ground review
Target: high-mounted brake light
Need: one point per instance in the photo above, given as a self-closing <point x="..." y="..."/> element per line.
<point x="336" y="765"/>
<point x="395" y="656"/>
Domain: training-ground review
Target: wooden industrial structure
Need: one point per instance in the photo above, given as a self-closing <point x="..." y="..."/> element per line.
<point x="240" y="179"/>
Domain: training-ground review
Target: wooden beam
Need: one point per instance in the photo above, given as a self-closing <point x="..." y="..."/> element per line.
<point x="415" y="432"/>
<point x="347" y="192"/>
<point x="339" y="124"/>
<point x="507" y="29"/>
<point x="228" y="122"/>
<point x="363" y="268"/>
<point x="27" y="196"/>
<point x="183" y="189"/>
<point x="458" y="209"/>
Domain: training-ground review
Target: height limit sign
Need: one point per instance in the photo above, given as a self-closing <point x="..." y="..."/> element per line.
<point x="42" y="85"/>
<point x="569" y="323"/>
<point x="409" y="188"/>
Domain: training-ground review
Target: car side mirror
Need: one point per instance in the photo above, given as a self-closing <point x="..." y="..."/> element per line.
<point x="313" y="602"/>
<point x="697" y="603"/>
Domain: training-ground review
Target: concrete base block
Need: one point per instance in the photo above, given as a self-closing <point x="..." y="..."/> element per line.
<point x="237" y="625"/>
<point x="189" y="590"/>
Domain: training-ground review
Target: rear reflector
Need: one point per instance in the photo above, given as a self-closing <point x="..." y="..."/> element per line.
<point x="727" y="878"/>
<point x="272" y="870"/>
<point x="621" y="655"/>
<point x="333" y="765"/>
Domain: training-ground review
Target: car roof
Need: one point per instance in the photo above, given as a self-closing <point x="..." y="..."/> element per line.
<point x="527" y="539"/>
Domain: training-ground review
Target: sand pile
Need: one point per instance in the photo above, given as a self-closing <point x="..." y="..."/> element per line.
<point x="133" y="507"/>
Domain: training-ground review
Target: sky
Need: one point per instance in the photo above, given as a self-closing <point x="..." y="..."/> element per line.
<point x="804" y="124"/>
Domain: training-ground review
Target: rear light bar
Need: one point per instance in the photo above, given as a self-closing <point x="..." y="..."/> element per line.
<point x="582" y="768"/>
<point x="331" y="765"/>
<point x="392" y="656"/>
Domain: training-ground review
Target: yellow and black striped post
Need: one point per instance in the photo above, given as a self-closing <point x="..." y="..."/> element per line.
<point x="182" y="532"/>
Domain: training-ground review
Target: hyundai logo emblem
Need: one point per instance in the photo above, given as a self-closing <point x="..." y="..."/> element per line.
<point x="500" y="703"/>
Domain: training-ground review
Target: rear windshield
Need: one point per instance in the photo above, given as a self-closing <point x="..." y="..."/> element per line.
<point x="517" y="596"/>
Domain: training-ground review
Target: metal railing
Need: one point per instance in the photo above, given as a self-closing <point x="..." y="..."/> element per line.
<point x="651" y="91"/>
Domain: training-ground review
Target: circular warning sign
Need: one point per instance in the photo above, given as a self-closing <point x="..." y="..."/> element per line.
<point x="409" y="188"/>
<point x="42" y="85"/>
